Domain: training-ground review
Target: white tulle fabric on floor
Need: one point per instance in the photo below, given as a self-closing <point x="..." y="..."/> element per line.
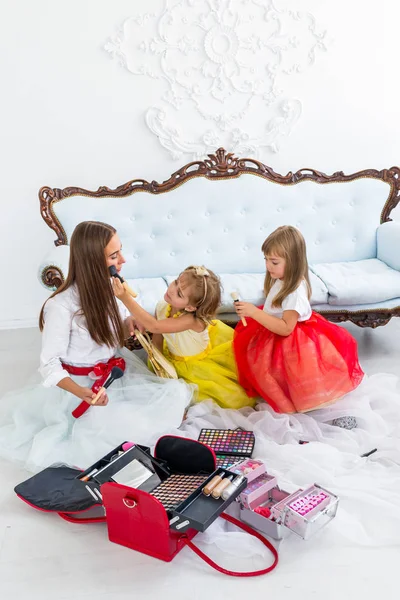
<point x="369" y="488"/>
<point x="37" y="428"/>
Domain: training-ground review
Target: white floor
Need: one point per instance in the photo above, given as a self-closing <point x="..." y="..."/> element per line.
<point x="43" y="557"/>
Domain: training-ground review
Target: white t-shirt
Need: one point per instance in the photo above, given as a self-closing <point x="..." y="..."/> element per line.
<point x="66" y="339"/>
<point x="297" y="300"/>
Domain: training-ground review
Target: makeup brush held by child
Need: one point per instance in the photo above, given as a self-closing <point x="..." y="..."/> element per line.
<point x="185" y="329"/>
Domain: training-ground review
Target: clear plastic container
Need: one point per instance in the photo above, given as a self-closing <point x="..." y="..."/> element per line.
<point x="286" y="512"/>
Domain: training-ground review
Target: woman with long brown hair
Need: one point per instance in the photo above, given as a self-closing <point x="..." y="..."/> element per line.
<point x="84" y="327"/>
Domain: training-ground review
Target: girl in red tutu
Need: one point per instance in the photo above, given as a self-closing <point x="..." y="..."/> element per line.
<point x="289" y="355"/>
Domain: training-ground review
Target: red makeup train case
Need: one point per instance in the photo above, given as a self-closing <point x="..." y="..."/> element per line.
<point x="135" y="516"/>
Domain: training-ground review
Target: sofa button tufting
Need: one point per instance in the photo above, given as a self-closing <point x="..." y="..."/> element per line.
<point x="209" y="251"/>
<point x="207" y="214"/>
<point x="245" y="248"/>
<point x="152" y="236"/>
<point x="242" y="212"/>
<point x="226" y="230"/>
<point x="354" y="239"/>
<point x="333" y="222"/>
<point x="172" y="253"/>
<point x="317" y="242"/>
<point x="133" y="218"/>
<point x="279" y="209"/>
<point x="135" y="255"/>
<point x="169" y="216"/>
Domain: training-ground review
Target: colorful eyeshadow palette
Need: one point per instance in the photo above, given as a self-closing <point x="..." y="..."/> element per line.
<point x="225" y="461"/>
<point x="176" y="489"/>
<point x="234" y="442"/>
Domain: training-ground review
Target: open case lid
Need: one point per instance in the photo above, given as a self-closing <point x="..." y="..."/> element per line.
<point x="184" y="455"/>
<point x="58" y="489"/>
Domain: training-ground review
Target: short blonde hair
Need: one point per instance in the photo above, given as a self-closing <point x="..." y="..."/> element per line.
<point x="205" y="293"/>
<point x="287" y="242"/>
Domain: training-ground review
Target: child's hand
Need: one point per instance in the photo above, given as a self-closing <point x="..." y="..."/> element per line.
<point x="245" y="309"/>
<point x="118" y="288"/>
<point x="87" y="395"/>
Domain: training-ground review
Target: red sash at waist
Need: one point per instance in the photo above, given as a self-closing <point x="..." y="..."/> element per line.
<point x="101" y="370"/>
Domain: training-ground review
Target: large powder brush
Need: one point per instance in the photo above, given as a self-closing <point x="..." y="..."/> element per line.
<point x="114" y="273"/>
<point x="116" y="373"/>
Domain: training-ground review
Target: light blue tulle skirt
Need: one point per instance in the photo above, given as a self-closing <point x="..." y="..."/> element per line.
<point x="37" y="428"/>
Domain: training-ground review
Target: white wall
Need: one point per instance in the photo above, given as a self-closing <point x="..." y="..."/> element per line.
<point x="72" y="116"/>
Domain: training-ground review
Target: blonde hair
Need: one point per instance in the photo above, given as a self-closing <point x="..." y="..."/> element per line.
<point x="288" y="243"/>
<point x="205" y="291"/>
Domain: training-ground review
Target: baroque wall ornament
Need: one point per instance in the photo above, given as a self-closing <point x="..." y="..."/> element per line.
<point x="221" y="66"/>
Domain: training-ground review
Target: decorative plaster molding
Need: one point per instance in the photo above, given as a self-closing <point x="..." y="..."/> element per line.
<point x="221" y="66"/>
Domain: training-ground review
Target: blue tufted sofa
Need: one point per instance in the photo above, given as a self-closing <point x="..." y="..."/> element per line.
<point x="217" y="212"/>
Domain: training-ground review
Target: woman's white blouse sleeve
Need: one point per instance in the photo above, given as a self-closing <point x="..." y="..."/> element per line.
<point x="55" y="341"/>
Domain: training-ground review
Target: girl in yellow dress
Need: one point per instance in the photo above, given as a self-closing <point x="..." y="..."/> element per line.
<point x="186" y="331"/>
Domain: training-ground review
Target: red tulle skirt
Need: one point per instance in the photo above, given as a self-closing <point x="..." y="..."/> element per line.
<point x="315" y="365"/>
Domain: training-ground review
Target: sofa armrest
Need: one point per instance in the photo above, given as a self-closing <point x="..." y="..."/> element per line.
<point x="388" y="244"/>
<point x="54" y="267"/>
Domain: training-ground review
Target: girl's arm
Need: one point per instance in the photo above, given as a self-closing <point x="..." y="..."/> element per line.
<point x="153" y="325"/>
<point x="281" y="325"/>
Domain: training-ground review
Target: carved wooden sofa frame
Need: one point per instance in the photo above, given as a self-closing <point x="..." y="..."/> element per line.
<point x="223" y="166"/>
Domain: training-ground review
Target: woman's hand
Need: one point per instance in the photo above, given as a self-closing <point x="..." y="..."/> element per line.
<point x="87" y="395"/>
<point x="118" y="289"/>
<point x="245" y="309"/>
<point x="131" y="325"/>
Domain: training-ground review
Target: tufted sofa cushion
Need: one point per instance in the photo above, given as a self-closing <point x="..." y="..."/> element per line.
<point x="222" y="223"/>
<point x="149" y="290"/>
<point x="359" y="282"/>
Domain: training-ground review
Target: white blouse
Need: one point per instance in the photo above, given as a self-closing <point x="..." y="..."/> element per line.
<point x="297" y="300"/>
<point x="66" y="338"/>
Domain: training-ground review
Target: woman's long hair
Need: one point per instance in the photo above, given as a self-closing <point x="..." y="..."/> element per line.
<point x="287" y="242"/>
<point x="89" y="273"/>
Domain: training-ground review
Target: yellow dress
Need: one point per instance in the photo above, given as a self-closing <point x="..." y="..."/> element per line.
<point x="207" y="360"/>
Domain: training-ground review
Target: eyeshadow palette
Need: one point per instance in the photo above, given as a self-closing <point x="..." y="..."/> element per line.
<point x="234" y="442"/>
<point x="177" y="488"/>
<point x="225" y="461"/>
<point x="258" y="488"/>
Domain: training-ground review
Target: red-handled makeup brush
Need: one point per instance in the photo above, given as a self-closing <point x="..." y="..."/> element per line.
<point x="116" y="373"/>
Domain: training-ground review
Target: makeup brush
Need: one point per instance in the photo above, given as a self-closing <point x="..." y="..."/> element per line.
<point x="236" y="298"/>
<point x="116" y="373"/>
<point x="114" y="273"/>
